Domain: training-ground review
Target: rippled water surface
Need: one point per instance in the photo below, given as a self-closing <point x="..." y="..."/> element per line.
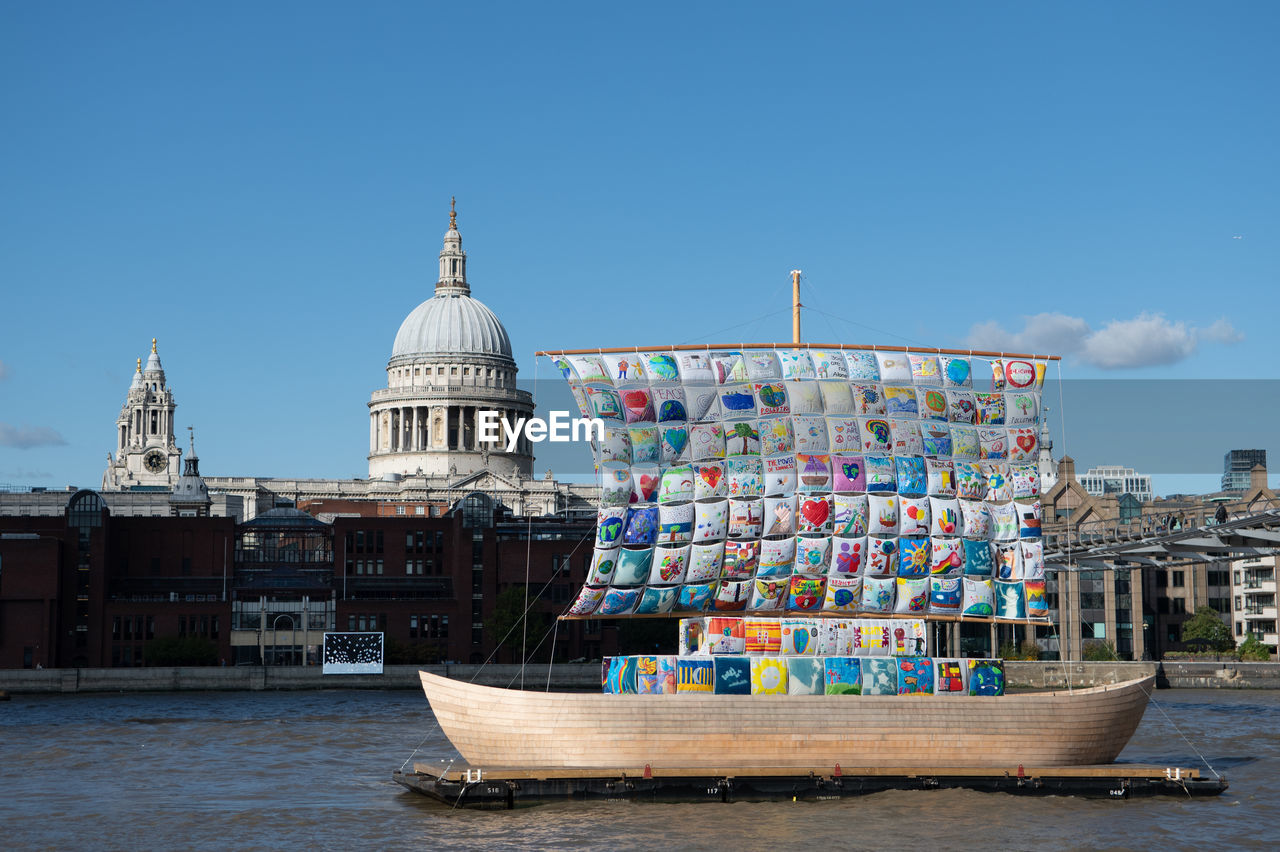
<point x="312" y="770"/>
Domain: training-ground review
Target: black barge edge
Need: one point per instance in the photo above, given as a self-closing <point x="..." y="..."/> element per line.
<point x="459" y="785"/>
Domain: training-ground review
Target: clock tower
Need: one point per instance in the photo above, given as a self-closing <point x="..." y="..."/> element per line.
<point x="146" y="456"/>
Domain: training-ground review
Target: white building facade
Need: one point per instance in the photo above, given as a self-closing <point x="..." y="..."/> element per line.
<point x="1100" y="481"/>
<point x="1253" y="599"/>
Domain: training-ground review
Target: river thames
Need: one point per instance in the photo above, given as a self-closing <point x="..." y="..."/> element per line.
<point x="255" y="770"/>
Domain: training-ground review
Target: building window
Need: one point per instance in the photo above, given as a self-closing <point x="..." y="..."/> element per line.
<point x="1177" y="579"/>
<point x="1179" y="606"/>
<point x="399" y="510"/>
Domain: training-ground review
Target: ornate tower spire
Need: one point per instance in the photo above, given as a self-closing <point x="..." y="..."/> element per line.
<point x="453" y="260"/>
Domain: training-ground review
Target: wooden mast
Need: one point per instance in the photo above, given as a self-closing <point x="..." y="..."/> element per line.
<point x="795" y="306"/>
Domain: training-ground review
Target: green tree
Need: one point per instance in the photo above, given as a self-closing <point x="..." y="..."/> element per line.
<point x="508" y="612"/>
<point x="184" y="651"/>
<point x="1206" y="628"/>
<point x="1099" y="651"/>
<point x="1252" y="650"/>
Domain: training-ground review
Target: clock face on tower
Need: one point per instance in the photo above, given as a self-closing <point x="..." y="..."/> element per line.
<point x="155" y="461"/>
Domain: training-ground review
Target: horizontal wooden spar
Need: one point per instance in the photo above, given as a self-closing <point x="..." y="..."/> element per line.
<point x="887" y="616"/>
<point x="719" y="347"/>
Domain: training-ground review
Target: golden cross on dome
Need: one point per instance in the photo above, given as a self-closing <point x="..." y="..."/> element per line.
<point x="139" y="365"/>
<point x="453" y="213"/>
<point x="153" y="344"/>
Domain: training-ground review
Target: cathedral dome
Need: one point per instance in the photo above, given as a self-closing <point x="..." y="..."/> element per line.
<point x="454" y="324"/>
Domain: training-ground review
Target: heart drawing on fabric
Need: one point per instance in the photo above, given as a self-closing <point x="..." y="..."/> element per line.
<point x="676" y="439"/>
<point x="815" y="511"/>
<point x="710" y="475"/>
<point x="850" y="470"/>
<point x="1026" y="443"/>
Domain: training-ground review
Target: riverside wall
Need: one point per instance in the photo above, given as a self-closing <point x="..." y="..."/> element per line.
<point x="582" y="677"/>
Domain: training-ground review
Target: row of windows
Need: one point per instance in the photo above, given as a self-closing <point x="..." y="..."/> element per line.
<point x="364" y="541"/>
<point x="128" y="627"/>
<point x="428" y="627"/>
<point x="198" y="625"/>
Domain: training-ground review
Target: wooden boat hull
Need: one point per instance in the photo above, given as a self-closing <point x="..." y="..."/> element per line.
<point x="546" y="730"/>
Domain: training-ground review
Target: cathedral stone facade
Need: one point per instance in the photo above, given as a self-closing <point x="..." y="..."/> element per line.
<point x="146" y="456"/>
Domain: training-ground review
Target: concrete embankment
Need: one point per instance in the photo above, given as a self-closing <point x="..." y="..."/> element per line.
<point x="582" y="677"/>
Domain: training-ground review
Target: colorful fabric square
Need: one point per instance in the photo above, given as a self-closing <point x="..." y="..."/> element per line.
<point x="882" y="555"/>
<point x="997" y="374"/>
<point x="647" y="682"/>
<point x="915" y="676"/>
<point x="868" y="400"/>
<point x="913" y="515"/>
<point x="746" y="518"/>
<point x="657" y="599"/>
<point x="900" y="401"/>
<point x="777" y="557"/>
<point x="1037" y="604"/>
<point x="705" y="563"/>
<point x="992" y="444"/>
<point x="637" y="405"/>
<point x="813" y="555"/>
<point x="741" y="558"/>
<point x="742" y="439"/>
<point x="828" y="365"/>
<point x="615" y="485"/>
<point x="1023" y="445"/>
<point x="667" y="667"/>
<point x="603" y="561"/>
<point x="986" y="677"/>
<point x="605" y="403"/>
<point x="882" y="517"/>
<point x="768" y="594"/>
<point x="746" y="477"/>
<point x="1008" y="564"/>
<point x="711" y="520"/>
<point x="877" y="594"/>
<point x="590" y="368"/>
<point x="962" y="407"/>
<point x="847" y="555"/>
<point x="1025" y="479"/>
<point x="1022" y="408"/>
<point x="764" y="635"/>
<point x="914" y="559"/>
<point x="728" y="367"/>
<point x="932" y="404"/>
<point x="619" y="601"/>
<point x="726" y="635"/>
<point x="871" y="638"/>
<point x="912" y="478"/>
<point x="991" y="408"/>
<point x="908" y="638"/>
<point x="675" y="523"/>
<point x="810" y="431"/>
<point x="1032" y="560"/>
<point x="806" y="593"/>
<point x="676" y="485"/>
<point x="976" y="519"/>
<point x="621" y="676"/>
<point x="776" y="436"/>
<point x="977" y="559"/>
<point x="762" y="364"/>
<point x="702" y="403"/>
<point x="695" y="368"/>
<point x="615" y="445"/>
<point x="796" y="364"/>
<point x="999" y="482"/>
<point x="971" y="483"/>
<point x="709" y="480"/>
<point x="644" y="444"/>
<point x="779" y="475"/>
<point x="673" y="443"/>
<point x="862" y="364"/>
<point x="879" y="675"/>
<point x="806" y="676"/>
<point x="668" y="403"/>
<point x="843" y="676"/>
<point x="941" y="475"/>
<point x="694" y="596"/>
<point x="732" y="596"/>
<point x="843" y="594"/>
<point x="906" y="437"/>
<point x="946" y="556"/>
<point x="695" y="675"/>
<point x="805" y="398"/>
<point x="834" y="638"/>
<point x="706" y="441"/>
<point x="779" y="516"/>
<point x="843" y="435"/>
<point x="848" y="473"/>
<point x="768" y="676"/>
<point x="965" y="443"/>
<point x="692" y="636"/>
<point x="660" y="367"/>
<point x="949" y="677"/>
<point x="1004" y="521"/>
<point x="1019" y="374"/>
<point x="912" y="595"/>
<point x="935" y="437"/>
<point x="944" y="516"/>
<point x="876" y="437"/>
<point x="945" y="594"/>
<point x="771" y="398"/>
<point x="894" y="367"/>
<point x="979" y="598"/>
<point x="799" y="636"/>
<point x="1010" y="602"/>
<point x="956" y="372"/>
<point x="669" y="564"/>
<point x="580" y="400"/>
<point x="587" y="601"/>
<point x="925" y="370"/>
<point x="644" y="483"/>
<point x="737" y="402"/>
<point x="849" y="514"/>
<point x="1028" y="519"/>
<point x="609" y="524"/>
<point x="633" y="566"/>
<point x="814" y="472"/>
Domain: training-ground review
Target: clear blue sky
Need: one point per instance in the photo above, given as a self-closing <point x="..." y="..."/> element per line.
<point x="264" y="187"/>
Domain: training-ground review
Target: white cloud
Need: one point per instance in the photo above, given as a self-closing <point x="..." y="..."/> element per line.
<point x="26" y="437"/>
<point x="1147" y="340"/>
